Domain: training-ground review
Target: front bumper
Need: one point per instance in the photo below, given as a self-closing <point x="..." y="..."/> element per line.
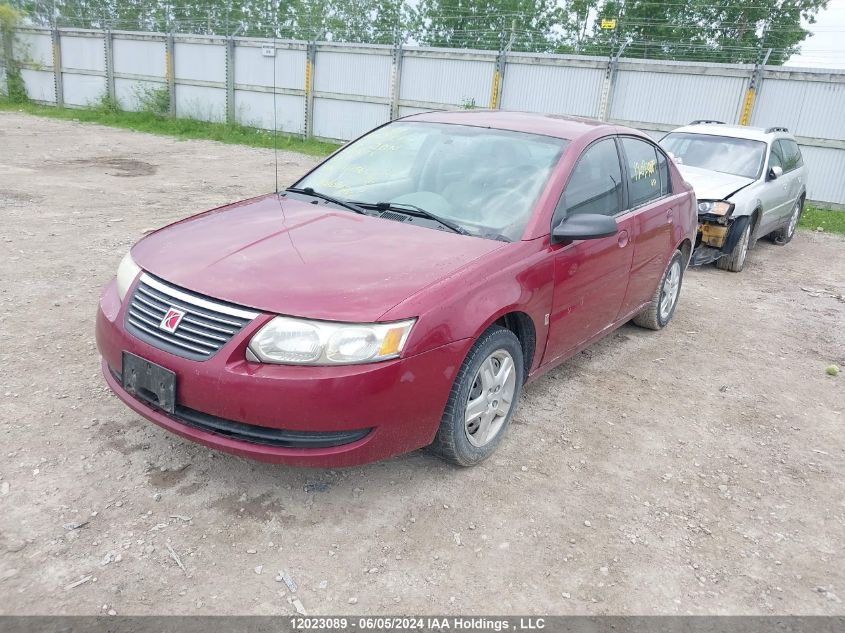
<point x="716" y="237"/>
<point x="398" y="403"/>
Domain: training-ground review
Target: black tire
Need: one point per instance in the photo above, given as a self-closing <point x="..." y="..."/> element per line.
<point x="785" y="234"/>
<point x="735" y="260"/>
<point x="452" y="442"/>
<point x="653" y="317"/>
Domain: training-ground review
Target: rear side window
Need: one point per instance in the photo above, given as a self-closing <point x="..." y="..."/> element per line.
<point x="595" y="185"/>
<point x="643" y="175"/>
<point x="791" y="154"/>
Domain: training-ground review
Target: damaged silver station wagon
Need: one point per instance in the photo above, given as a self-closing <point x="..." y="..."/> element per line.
<point x="750" y="183"/>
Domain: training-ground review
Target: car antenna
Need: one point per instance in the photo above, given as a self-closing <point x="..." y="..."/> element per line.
<point x="275" y="125"/>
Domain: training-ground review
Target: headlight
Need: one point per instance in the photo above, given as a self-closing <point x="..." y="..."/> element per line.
<point x="126" y="273"/>
<point x="715" y="207"/>
<point x="291" y="341"/>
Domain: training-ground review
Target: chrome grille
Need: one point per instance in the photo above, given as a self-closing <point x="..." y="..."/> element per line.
<point x="207" y="324"/>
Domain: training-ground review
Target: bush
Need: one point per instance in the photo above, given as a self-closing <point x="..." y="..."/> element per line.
<point x="107" y="105"/>
<point x="15" y="87"/>
<point x="153" y="100"/>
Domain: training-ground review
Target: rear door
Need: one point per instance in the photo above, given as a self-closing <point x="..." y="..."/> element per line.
<point x="591" y="276"/>
<point x="646" y="173"/>
<point x="793" y="174"/>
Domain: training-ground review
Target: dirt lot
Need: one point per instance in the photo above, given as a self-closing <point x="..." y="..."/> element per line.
<point x="696" y="470"/>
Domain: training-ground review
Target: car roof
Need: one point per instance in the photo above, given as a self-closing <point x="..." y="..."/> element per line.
<point x="736" y="131"/>
<point x="560" y="126"/>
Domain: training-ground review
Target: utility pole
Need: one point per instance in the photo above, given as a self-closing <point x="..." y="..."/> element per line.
<point x="753" y="88"/>
<point x="607" y="86"/>
<point x="499" y="70"/>
<point x="756" y="77"/>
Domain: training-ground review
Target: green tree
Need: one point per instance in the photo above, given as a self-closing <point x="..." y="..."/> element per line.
<point x="536" y="25"/>
<point x="733" y="31"/>
<point x="373" y="21"/>
<point x="707" y="30"/>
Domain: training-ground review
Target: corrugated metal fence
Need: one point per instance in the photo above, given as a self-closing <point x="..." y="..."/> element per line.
<point x="337" y="91"/>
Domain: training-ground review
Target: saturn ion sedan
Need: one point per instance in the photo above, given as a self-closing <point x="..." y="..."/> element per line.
<point x="400" y="294"/>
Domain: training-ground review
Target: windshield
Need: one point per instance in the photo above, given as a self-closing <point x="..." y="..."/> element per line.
<point x="484" y="181"/>
<point x="738" y="156"/>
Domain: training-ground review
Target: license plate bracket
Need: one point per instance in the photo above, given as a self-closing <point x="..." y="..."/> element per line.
<point x="154" y="384"/>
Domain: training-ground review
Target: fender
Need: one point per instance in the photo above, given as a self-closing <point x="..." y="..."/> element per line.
<point x="517" y="278"/>
<point x="735" y="233"/>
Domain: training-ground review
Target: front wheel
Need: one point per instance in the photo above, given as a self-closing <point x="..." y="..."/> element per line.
<point x="482" y="400"/>
<point x="735" y="260"/>
<point x="659" y="312"/>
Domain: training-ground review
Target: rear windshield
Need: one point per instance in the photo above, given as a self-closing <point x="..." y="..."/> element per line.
<point x="738" y="156"/>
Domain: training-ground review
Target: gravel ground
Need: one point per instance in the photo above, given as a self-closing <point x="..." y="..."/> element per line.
<point x="695" y="470"/>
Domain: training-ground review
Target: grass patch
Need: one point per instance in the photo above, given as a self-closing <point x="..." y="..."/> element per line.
<point x="830" y="221"/>
<point x="106" y="114"/>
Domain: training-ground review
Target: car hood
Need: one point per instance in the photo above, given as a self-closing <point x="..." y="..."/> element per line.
<point x="290" y="257"/>
<point x="712" y="185"/>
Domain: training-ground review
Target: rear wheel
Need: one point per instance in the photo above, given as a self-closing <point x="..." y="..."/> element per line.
<point x="659" y="312"/>
<point x="735" y="260"/>
<point x="785" y="234"/>
<point x="482" y="399"/>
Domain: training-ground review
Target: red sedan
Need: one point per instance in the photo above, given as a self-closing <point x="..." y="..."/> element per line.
<point x="402" y="292"/>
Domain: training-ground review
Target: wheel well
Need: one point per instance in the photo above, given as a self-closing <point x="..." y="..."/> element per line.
<point x="755" y="218"/>
<point x="686" y="250"/>
<point x="523" y="328"/>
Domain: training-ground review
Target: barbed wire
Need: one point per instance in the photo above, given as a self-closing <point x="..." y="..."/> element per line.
<point x="400" y="22"/>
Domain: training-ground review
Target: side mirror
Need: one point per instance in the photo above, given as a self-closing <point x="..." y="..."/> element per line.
<point x="584" y="226"/>
<point x="775" y="172"/>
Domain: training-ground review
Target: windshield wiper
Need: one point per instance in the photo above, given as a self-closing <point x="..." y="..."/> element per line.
<point x="308" y="191"/>
<point x="412" y="209"/>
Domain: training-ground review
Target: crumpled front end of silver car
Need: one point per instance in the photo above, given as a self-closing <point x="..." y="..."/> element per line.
<point x="722" y="214"/>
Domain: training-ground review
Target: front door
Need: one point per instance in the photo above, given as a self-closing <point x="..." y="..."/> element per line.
<point x="590" y="275"/>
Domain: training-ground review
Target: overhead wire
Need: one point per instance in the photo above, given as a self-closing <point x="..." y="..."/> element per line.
<point x="476" y="27"/>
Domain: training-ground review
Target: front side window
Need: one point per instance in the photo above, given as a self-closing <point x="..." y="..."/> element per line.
<point x="486" y="181"/>
<point x="776" y="156"/>
<point x="791" y="154"/>
<point x="595" y="185"/>
<point x="726" y="154"/>
<point x="643" y="174"/>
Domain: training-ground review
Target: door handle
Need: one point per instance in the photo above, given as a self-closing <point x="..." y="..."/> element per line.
<point x="622" y="238"/>
<point x="670" y="216"/>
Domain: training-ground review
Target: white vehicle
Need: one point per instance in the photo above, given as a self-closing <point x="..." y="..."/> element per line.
<point x="750" y="183"/>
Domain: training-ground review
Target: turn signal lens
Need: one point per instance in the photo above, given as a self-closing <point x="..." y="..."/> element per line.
<point x="392" y="343"/>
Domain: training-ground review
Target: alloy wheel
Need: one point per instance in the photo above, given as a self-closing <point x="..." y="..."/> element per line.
<point x="793" y="221"/>
<point x="743" y="245"/>
<point x="671" y="289"/>
<point x="490" y="398"/>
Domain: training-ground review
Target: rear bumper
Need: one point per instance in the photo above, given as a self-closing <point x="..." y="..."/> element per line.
<point x="398" y="404"/>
